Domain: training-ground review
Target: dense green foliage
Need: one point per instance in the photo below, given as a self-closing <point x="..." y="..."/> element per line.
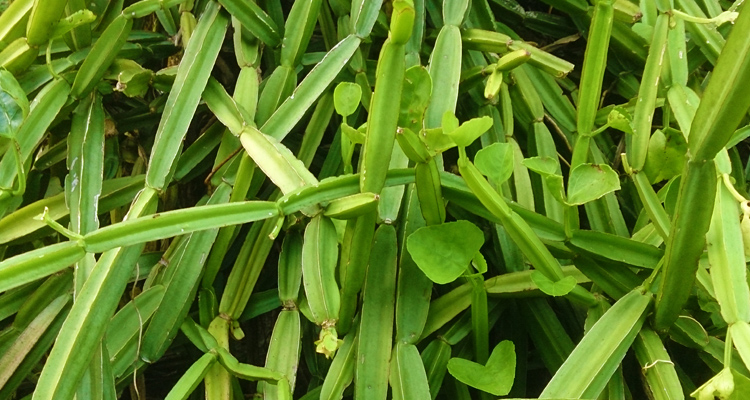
<point x="407" y="199"/>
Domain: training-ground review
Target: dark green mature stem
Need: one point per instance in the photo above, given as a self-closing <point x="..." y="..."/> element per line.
<point x="686" y="240"/>
<point x="722" y="107"/>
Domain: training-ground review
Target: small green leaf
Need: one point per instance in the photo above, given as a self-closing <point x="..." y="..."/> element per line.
<point x="549" y="169"/>
<point x="550" y="288"/>
<point x="355" y="135"/>
<point x="132" y="79"/>
<point x="415" y="96"/>
<point x="450" y="122"/>
<point x="470" y="130"/>
<point x="542" y="165"/>
<point x="556" y="187"/>
<point x="436" y="141"/>
<point x="620" y="119"/>
<point x="443" y="252"/>
<point x="741" y="386"/>
<point x="495" y="162"/>
<point x="495" y="378"/>
<point x="346" y="98"/>
<point x="643" y="30"/>
<point x="666" y="155"/>
<point x="721" y="385"/>
<point x="591" y="181"/>
<point x="14" y="106"/>
<point x="479" y="263"/>
<point x="328" y="342"/>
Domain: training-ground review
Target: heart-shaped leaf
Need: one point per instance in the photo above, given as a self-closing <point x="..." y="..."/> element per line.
<point x="328" y="342"/>
<point x="666" y="155"/>
<point x="436" y="141"/>
<point x="643" y="30"/>
<point x="449" y="122"/>
<point x="479" y="263"/>
<point x="542" y="165"/>
<point x="591" y="181"/>
<point x="551" y="288"/>
<point x="496" y="377"/>
<point x="355" y="135"/>
<point x="132" y="79"/>
<point x="346" y="98"/>
<point x="549" y="169"/>
<point x="619" y="118"/>
<point x="415" y="96"/>
<point x="443" y="252"/>
<point x="556" y="187"/>
<point x="495" y="162"/>
<point x="470" y="130"/>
